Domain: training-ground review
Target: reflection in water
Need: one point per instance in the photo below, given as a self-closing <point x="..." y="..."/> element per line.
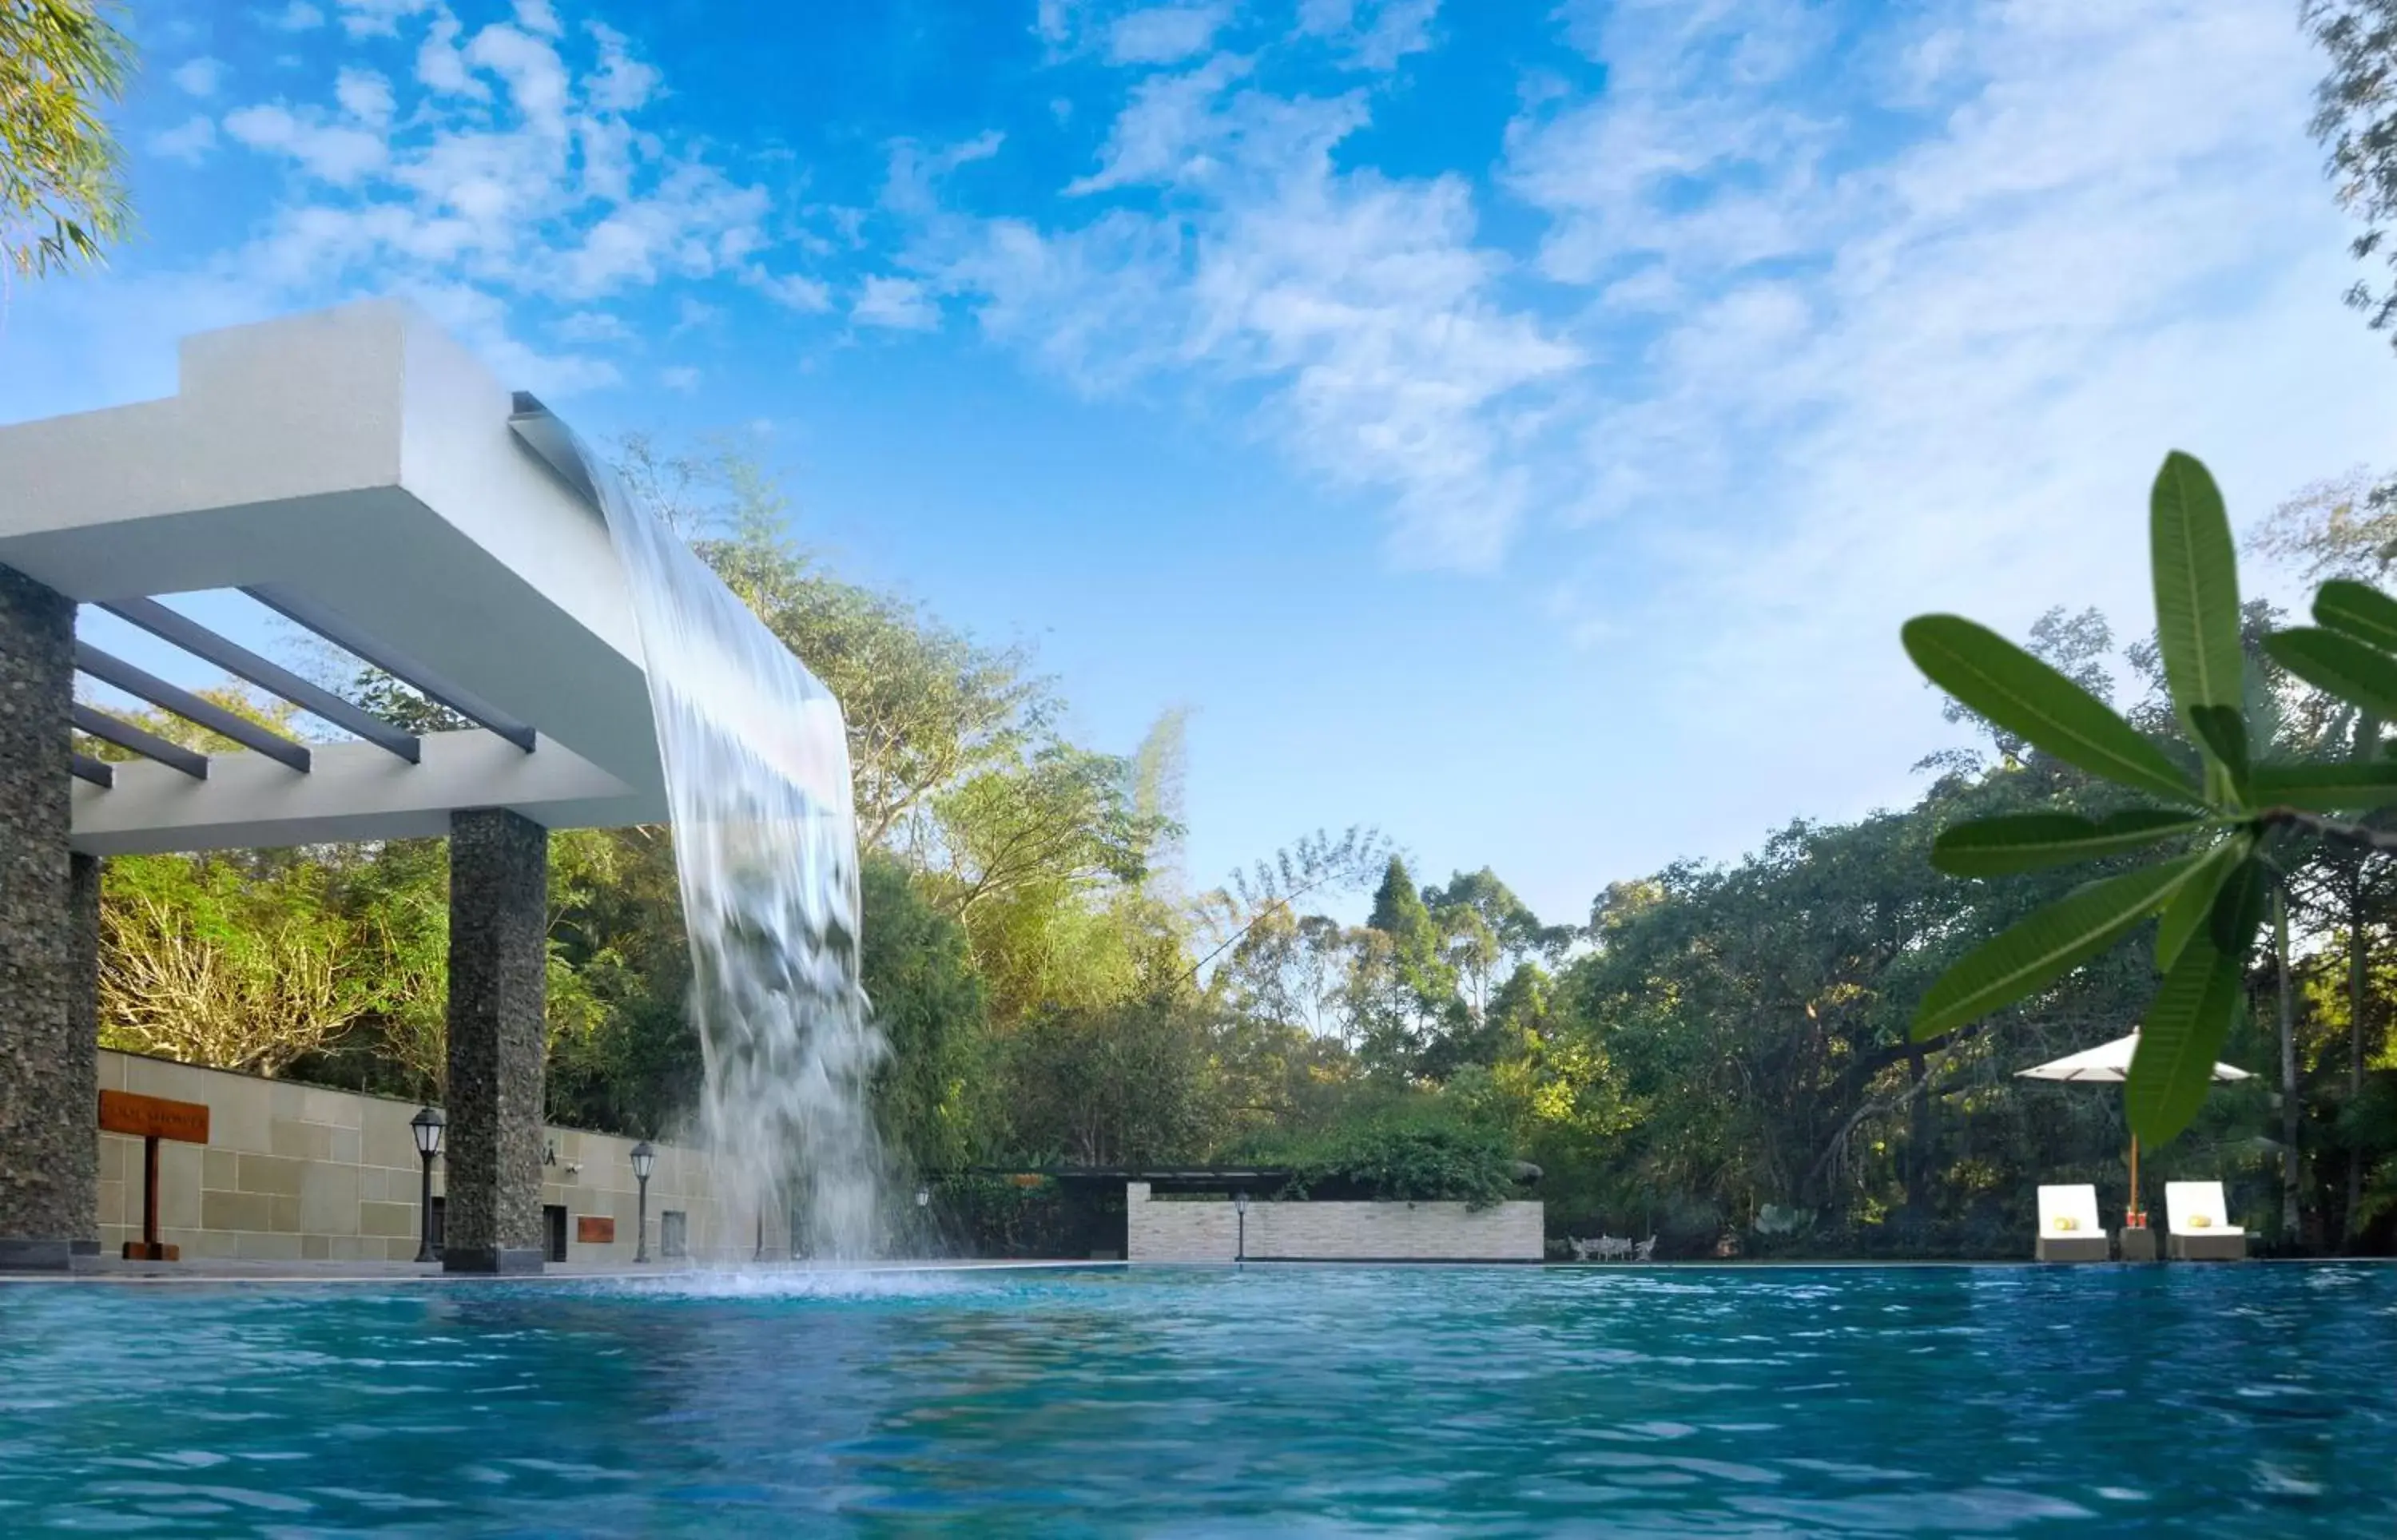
<point x="1485" y="1400"/>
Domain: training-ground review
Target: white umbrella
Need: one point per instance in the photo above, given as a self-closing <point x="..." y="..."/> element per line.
<point x="2110" y="1063"/>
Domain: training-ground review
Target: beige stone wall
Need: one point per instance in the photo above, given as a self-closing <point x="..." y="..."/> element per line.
<point x="295" y="1172"/>
<point x="1208" y="1230"/>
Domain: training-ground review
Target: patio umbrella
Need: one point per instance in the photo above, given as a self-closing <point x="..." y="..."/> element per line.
<point x="2110" y="1063"/>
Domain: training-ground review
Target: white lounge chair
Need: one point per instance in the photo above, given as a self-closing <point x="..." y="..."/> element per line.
<point x="2068" y="1230"/>
<point x="2198" y="1224"/>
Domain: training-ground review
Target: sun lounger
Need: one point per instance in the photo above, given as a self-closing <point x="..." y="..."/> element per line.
<point x="2199" y="1224"/>
<point x="2068" y="1230"/>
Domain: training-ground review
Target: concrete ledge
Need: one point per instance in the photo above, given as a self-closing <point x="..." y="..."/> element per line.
<point x="23" y="1254"/>
<point x="505" y="1262"/>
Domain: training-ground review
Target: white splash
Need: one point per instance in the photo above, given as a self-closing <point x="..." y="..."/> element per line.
<point x="756" y="774"/>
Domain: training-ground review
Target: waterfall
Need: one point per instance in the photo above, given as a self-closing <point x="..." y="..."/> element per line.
<point x="765" y="837"/>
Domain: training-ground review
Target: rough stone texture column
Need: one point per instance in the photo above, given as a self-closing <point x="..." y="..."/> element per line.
<point x="499" y="913"/>
<point x="49" y="1152"/>
<point x="83" y="1015"/>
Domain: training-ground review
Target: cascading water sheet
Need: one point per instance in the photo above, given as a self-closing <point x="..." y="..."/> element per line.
<point x="756" y="772"/>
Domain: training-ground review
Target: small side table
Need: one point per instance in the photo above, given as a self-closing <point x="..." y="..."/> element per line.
<point x="2137" y="1244"/>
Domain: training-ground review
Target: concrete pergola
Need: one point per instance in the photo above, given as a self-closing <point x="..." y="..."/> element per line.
<point x="360" y="474"/>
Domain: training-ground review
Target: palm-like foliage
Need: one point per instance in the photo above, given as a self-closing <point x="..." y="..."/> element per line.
<point x="2217" y="833"/>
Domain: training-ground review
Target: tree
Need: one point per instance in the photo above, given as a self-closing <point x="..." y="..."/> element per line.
<point x="925" y="706"/>
<point x="61" y="199"/>
<point x="237" y="963"/>
<point x="917" y="970"/>
<point x="2355" y="119"/>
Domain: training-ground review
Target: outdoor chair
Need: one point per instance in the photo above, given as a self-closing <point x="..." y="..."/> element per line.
<point x="2068" y="1230"/>
<point x="2198" y="1224"/>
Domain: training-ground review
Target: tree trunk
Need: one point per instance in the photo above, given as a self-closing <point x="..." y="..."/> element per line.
<point x="2355" y="1006"/>
<point x="2366" y="746"/>
<point x="2290" y="1217"/>
<point x="1918" y="1146"/>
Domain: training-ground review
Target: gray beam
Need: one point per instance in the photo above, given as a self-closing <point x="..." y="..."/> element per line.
<point x="325" y="623"/>
<point x="200" y="641"/>
<point x="108" y="729"/>
<point x="111" y="669"/>
<point x="96" y="770"/>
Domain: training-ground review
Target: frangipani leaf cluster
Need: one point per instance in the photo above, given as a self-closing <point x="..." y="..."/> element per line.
<point x="2213" y="831"/>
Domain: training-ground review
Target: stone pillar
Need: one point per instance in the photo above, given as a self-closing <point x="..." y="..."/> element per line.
<point x="49" y="1147"/>
<point x="83" y="1012"/>
<point x="499" y="919"/>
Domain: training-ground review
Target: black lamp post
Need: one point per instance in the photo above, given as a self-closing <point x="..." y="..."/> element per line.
<point x="643" y="1158"/>
<point x="1240" y="1208"/>
<point x="426" y="1125"/>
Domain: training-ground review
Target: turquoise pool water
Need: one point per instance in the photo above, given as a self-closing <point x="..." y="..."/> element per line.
<point x="2225" y="1401"/>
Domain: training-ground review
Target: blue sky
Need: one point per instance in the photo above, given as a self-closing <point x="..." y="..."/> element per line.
<point x="1519" y="427"/>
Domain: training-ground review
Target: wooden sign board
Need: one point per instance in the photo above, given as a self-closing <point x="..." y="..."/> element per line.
<point x="594" y="1230"/>
<point x="152" y="1117"/>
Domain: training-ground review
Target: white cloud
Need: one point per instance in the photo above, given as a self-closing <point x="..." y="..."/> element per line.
<point x="380" y="18"/>
<point x="1949" y="389"/>
<point x="1170" y="130"/>
<point x="198" y="77"/>
<point x="1385" y="33"/>
<point x="621" y="82"/>
<point x="793" y="290"/>
<point x="1362" y="306"/>
<point x="900" y="304"/>
<point x="336" y="153"/>
<point x="539" y="15"/>
<point x="190" y="142"/>
<point x="364" y="96"/>
<point x="441" y="63"/>
<point x="592" y="326"/>
<point x="535" y="75"/>
<point x="299" y="16"/>
<point x="680" y="378"/>
<point x="1164" y="34"/>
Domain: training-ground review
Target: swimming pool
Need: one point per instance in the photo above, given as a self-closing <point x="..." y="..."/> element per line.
<point x="2225" y="1401"/>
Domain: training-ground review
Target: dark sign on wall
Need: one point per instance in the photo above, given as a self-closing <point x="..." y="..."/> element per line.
<point x="593" y="1230"/>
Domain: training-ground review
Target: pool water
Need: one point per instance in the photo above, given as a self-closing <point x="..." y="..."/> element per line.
<point x="2183" y="1400"/>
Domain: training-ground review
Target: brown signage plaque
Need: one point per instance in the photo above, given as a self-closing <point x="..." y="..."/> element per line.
<point x="152" y="1117"/>
<point x="593" y="1230"/>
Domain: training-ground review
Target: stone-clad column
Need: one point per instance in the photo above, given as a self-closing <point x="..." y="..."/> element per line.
<point x="83" y="1015"/>
<point x="48" y="1071"/>
<point x="499" y="913"/>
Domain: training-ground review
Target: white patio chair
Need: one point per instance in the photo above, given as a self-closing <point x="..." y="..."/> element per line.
<point x="2068" y="1230"/>
<point x="2198" y="1224"/>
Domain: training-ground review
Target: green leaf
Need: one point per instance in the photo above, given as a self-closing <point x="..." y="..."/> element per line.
<point x="2025" y="697"/>
<point x="2330" y="660"/>
<point x="2354" y="785"/>
<point x="2047" y="944"/>
<point x="2238" y="910"/>
<point x="1996" y="847"/>
<point x="2224" y="733"/>
<point x="2358" y="610"/>
<point x="2197" y="586"/>
<point x="2189" y="909"/>
<point x="2173" y="1066"/>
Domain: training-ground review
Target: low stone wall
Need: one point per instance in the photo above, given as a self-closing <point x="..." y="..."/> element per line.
<point x="1208" y="1230"/>
<point x="297" y="1172"/>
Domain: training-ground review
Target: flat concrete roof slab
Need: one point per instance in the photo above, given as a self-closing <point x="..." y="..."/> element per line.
<point x="362" y="460"/>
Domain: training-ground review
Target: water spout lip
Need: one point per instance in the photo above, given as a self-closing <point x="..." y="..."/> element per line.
<point x="548" y="436"/>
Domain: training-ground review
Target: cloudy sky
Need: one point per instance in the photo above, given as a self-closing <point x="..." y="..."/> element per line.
<point x="1519" y="426"/>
